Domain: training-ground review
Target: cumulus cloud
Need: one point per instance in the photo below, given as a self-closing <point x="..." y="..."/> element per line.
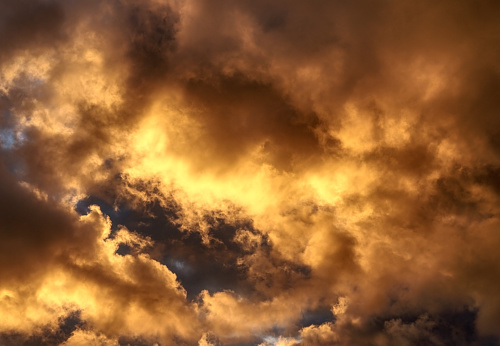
<point x="286" y="173"/>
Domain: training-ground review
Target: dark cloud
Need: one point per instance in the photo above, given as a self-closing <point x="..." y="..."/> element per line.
<point x="30" y="25"/>
<point x="254" y="114"/>
<point x="33" y="231"/>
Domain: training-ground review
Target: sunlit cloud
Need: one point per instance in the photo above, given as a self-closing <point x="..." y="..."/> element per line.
<point x="211" y="173"/>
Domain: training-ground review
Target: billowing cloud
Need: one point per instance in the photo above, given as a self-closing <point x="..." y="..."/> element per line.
<point x="288" y="173"/>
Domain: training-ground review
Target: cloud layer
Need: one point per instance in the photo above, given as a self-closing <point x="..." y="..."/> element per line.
<point x="249" y="173"/>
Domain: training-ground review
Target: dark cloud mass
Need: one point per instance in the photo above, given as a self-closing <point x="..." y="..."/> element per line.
<point x="249" y="173"/>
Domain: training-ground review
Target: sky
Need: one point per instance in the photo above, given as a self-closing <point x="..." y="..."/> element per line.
<point x="272" y="173"/>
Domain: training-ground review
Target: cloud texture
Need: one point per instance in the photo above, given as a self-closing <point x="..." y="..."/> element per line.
<point x="249" y="173"/>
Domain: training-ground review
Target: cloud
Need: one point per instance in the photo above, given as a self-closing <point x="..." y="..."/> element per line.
<point x="54" y="262"/>
<point x="81" y="337"/>
<point x="183" y="172"/>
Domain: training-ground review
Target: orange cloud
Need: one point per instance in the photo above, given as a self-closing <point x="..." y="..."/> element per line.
<point x="267" y="173"/>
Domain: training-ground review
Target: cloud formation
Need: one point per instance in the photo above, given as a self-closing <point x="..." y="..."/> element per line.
<point x="249" y="173"/>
